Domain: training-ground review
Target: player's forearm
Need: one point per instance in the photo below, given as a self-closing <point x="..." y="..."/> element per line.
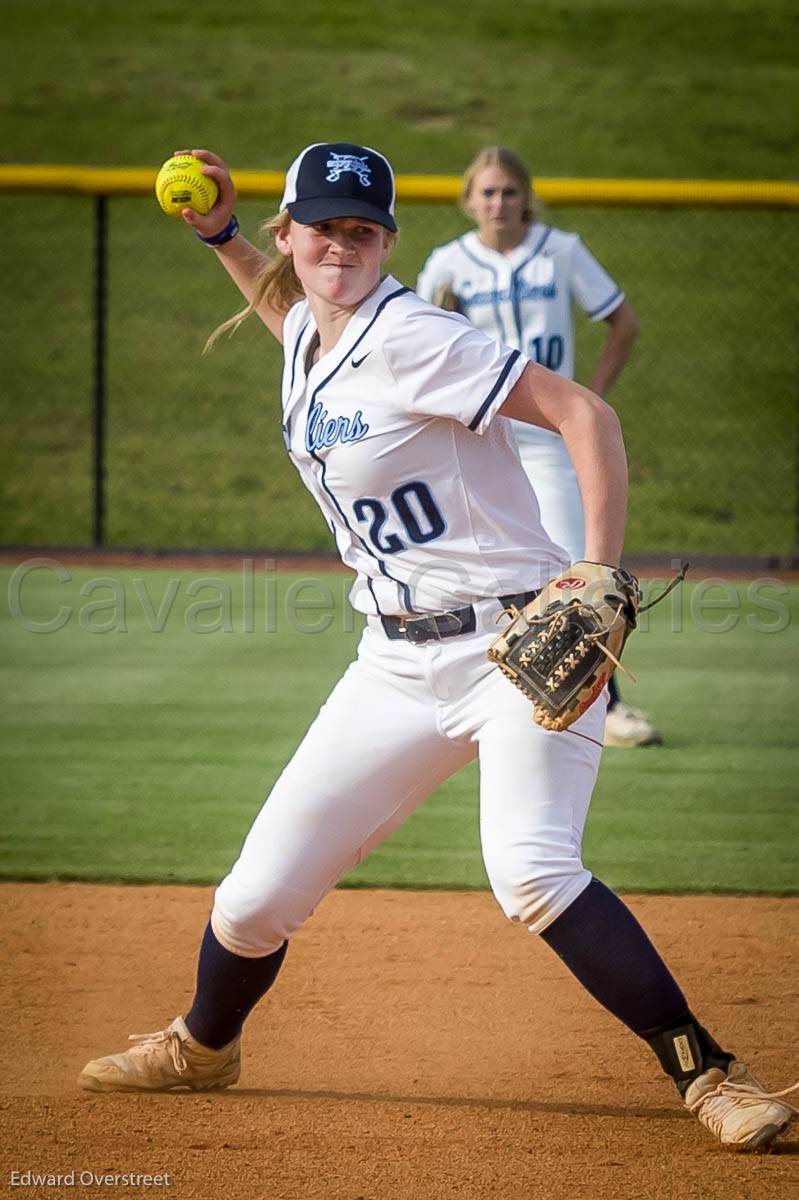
<point x="245" y="264"/>
<point x="621" y="336"/>
<point x="596" y="448"/>
<point x="591" y="431"/>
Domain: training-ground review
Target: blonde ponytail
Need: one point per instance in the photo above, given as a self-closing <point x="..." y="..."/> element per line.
<point x="277" y="285"/>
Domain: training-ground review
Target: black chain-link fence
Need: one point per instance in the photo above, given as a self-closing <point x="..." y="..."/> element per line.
<point x="193" y="449"/>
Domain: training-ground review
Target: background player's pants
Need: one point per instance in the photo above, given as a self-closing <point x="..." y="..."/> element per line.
<point x="547" y="465"/>
<point x="402" y="720"/>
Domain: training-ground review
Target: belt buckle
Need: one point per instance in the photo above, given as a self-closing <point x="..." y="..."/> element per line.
<point x="432" y="620"/>
<point x="452" y="622"/>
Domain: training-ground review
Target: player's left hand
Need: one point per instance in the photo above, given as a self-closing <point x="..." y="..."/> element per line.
<point x="563" y="647"/>
<point x="214" y="221"/>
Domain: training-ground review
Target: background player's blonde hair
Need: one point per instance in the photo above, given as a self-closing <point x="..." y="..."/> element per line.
<point x="277" y="285"/>
<point x="509" y="161"/>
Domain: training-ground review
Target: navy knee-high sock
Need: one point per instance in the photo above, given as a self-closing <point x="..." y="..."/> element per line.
<point x="613" y="693"/>
<point x="602" y="944"/>
<point x="228" y="988"/>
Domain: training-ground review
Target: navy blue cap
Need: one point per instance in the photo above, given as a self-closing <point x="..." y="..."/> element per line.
<point x="340" y="179"/>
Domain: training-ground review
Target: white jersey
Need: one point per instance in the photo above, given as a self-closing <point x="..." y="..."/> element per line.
<point x="524" y="298"/>
<point x="396" y="434"/>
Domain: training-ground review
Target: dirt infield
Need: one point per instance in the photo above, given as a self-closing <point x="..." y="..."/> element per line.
<point x="416" y="1047"/>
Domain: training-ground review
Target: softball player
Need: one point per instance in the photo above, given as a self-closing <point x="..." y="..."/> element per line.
<point x="395" y="414"/>
<point x="517" y="279"/>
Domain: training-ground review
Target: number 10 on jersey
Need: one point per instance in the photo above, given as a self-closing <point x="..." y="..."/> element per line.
<point x="547" y="351"/>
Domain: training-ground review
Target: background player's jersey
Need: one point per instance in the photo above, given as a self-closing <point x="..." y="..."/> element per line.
<point x="396" y="435"/>
<point x="524" y="298"/>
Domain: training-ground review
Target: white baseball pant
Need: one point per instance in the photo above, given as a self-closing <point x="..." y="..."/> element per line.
<point x="549" y="468"/>
<point x="402" y="719"/>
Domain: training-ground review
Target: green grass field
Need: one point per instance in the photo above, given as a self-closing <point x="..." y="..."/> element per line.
<point x="137" y="755"/>
<point x="600" y="88"/>
<point x="697" y="85"/>
<point x="139" y="748"/>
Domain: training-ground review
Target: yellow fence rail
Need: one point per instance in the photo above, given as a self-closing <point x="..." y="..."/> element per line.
<point x="431" y="189"/>
<point x="734" y="334"/>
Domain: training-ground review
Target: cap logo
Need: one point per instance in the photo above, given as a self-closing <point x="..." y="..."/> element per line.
<point x="337" y="164"/>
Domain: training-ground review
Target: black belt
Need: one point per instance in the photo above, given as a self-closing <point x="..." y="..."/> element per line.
<point x="429" y="627"/>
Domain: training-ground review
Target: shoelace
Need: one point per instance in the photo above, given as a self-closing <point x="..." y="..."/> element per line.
<point x="717" y="1104"/>
<point x="145" y="1043"/>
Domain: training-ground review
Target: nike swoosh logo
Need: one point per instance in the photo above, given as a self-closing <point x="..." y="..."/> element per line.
<point x="356" y="362"/>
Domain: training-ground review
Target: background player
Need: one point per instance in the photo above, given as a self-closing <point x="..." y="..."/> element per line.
<point x="394" y="415"/>
<point x="517" y="279"/>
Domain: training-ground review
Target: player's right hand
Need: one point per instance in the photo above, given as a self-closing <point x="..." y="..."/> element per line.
<point x="214" y="221"/>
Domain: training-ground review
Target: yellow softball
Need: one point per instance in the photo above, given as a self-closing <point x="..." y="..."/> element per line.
<point x="181" y="184"/>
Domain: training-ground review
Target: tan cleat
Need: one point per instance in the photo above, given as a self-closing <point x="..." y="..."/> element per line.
<point x="164" y="1060"/>
<point x="737" y="1109"/>
<point x="625" y="726"/>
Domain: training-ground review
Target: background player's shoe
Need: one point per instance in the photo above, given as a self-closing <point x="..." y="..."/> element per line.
<point x="737" y="1109"/>
<point x="625" y="726"/>
<point x="159" y="1061"/>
